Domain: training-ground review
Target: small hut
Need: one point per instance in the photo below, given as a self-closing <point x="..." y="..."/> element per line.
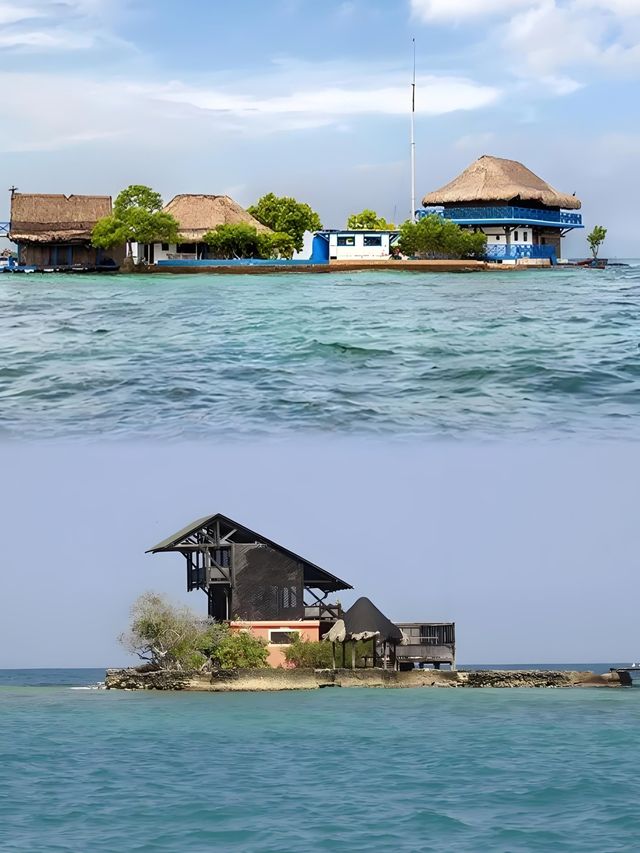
<point x="54" y="231"/>
<point x="364" y="621"/>
<point x="196" y="215"/>
<point x="522" y="215"/>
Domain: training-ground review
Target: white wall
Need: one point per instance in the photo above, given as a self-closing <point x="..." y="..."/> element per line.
<point x="359" y="251"/>
<point x="497" y="235"/>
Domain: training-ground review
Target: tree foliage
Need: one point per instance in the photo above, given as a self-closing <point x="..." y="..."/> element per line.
<point x="137" y="218"/>
<point x="596" y="239"/>
<point x="240" y="650"/>
<point x="176" y="638"/>
<point x="244" y="241"/>
<point x="307" y="654"/>
<point x="369" y="220"/>
<point x="436" y="237"/>
<point x="286" y="215"/>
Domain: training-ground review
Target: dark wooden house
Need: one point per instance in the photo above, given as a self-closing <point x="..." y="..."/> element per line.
<point x="431" y="643"/>
<point x="248" y="577"/>
<point x="54" y="231"/>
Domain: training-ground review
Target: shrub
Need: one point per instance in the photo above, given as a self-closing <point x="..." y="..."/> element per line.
<point x="436" y="237"/>
<point x="240" y="650"/>
<point x="318" y="655"/>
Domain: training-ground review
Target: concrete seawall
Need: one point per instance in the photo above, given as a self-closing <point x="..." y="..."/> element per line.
<point x="310" y="679"/>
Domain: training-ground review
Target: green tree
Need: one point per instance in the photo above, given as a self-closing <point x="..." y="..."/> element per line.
<point x="244" y="241"/>
<point x="137" y="218"/>
<point x="434" y="236"/>
<point x="240" y="650"/>
<point x="369" y="220"/>
<point x="286" y="215"/>
<point x="596" y="239"/>
<point x="308" y="654"/>
<point x="171" y="637"/>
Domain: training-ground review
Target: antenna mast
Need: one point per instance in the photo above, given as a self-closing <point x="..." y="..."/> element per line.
<point x="413" y="137"/>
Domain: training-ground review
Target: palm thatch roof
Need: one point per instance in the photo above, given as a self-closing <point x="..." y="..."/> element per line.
<point x="493" y="179"/>
<point x="362" y="621"/>
<point x="42" y="218"/>
<point x="197" y="214"/>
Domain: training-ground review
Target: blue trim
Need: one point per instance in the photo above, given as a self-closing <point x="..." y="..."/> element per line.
<point x="4" y="229"/>
<point x="506" y="215"/>
<point x="500" y="251"/>
<point x="240" y="262"/>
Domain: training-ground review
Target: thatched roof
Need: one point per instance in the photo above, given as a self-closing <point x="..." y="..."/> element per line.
<point x="362" y="621"/>
<point x="492" y="179"/>
<point x="41" y="218"/>
<point x="197" y="214"/>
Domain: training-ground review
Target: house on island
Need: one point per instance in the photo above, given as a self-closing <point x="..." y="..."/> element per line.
<point x="255" y="584"/>
<point x="196" y="215"/>
<point x="353" y="245"/>
<point x="54" y="231"/>
<point x="522" y="215"/>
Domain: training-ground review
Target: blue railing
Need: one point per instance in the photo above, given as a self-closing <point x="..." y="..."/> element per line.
<point x="514" y="252"/>
<point x="4" y="229"/>
<point x="506" y="213"/>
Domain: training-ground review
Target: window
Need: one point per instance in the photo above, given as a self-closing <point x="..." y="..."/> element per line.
<point x="497" y="236"/>
<point x="347" y="241"/>
<point x="543" y="241"/>
<point x="283" y="637"/>
<point x="525" y="236"/>
<point x="165" y="247"/>
<point x="372" y="240"/>
<point x="515" y="237"/>
<point x="289" y="597"/>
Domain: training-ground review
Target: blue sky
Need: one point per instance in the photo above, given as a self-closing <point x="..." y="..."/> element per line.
<point x="532" y="550"/>
<point x="312" y="99"/>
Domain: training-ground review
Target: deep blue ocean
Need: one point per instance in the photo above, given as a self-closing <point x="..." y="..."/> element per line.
<point x="531" y="354"/>
<point x="345" y="770"/>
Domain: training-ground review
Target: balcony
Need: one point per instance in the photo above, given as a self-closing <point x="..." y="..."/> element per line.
<point x="507" y="215"/>
<point x="517" y="251"/>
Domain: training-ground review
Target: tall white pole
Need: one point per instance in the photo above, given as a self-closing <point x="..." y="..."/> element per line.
<point x="413" y="138"/>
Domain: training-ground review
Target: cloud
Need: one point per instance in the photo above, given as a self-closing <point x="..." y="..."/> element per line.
<point x="62" y="26"/>
<point x="152" y="111"/>
<point x="460" y="11"/>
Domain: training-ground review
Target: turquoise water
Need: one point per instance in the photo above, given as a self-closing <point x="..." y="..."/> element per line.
<point x="343" y="770"/>
<point x="447" y="355"/>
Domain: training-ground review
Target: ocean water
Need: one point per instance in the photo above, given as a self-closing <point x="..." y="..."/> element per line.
<point x="446" y="355"/>
<point x="343" y="770"/>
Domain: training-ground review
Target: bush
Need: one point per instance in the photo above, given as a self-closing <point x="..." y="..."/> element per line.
<point x="436" y="237"/>
<point x="244" y="241"/>
<point x="307" y="654"/>
<point x="240" y="650"/>
<point x="171" y="637"/>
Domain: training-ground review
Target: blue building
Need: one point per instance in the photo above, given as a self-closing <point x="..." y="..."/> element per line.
<point x="521" y="215"/>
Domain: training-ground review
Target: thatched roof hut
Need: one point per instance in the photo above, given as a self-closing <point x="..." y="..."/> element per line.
<point x="42" y="218"/>
<point x="197" y="214"/>
<point x="362" y="621"/>
<point x="493" y="180"/>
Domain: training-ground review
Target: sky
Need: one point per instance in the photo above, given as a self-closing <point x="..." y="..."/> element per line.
<point x="531" y="550"/>
<point x="312" y="100"/>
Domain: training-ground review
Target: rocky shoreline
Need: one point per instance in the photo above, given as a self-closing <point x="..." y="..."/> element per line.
<point x="313" y="679"/>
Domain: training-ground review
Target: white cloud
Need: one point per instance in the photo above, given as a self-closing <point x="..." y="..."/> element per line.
<point x="462" y="10"/>
<point x="157" y="112"/>
<point x="44" y="26"/>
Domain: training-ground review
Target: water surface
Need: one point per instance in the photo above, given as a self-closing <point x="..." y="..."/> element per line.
<point x="356" y="770"/>
<point x="448" y="355"/>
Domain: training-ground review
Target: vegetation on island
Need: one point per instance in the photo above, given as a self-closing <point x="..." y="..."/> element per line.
<point x="436" y="237"/>
<point x="244" y="241"/>
<point x="137" y="217"/>
<point x="175" y="638"/>
<point x="286" y="215"/>
<point x="596" y="239"/>
<point x="370" y="221"/>
<point x="308" y="654"/>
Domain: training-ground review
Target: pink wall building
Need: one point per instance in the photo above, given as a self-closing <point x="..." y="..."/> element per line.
<point x="278" y="635"/>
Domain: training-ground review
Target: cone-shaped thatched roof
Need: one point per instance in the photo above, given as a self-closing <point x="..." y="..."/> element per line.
<point x="44" y="218"/>
<point x="492" y="179"/>
<point x="197" y="214"/>
<point x="364" y="617"/>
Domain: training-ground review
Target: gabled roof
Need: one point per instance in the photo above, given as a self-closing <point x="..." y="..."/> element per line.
<point x="314" y="576"/>
<point x="493" y="179"/>
<point x="364" y="617"/>
<point x="42" y="218"/>
<point x="197" y="214"/>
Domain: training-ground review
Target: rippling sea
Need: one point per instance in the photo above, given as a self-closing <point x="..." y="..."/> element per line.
<point x="343" y="770"/>
<point x="490" y="354"/>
